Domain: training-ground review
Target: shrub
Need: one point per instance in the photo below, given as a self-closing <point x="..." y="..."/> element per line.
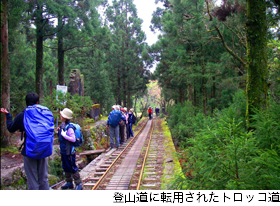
<point x="78" y="104"/>
<point x="267" y="130"/>
<point x="180" y="122"/>
<point x="223" y="155"/>
<point x="55" y="167"/>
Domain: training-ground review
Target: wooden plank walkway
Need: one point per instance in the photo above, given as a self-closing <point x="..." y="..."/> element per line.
<point x="122" y="177"/>
<point x="91" y="152"/>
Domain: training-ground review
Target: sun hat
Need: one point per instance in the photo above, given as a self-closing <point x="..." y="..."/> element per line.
<point x="125" y="109"/>
<point x="66" y="113"/>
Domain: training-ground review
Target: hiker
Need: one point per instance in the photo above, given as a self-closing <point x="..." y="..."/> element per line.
<point x="36" y="170"/>
<point x="67" y="151"/>
<point x="157" y="111"/>
<point x="131" y="121"/>
<point x="114" y="119"/>
<point x="122" y="126"/>
<point x="126" y="122"/>
<point x="150" y="111"/>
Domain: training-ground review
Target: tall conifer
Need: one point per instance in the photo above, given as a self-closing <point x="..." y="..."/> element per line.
<point x="128" y="73"/>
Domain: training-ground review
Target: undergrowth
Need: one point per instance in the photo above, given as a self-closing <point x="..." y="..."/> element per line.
<point x="220" y="154"/>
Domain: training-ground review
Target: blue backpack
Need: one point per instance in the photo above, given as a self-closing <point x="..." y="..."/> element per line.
<point x="39" y="128"/>
<point x="78" y="134"/>
<point x="114" y="118"/>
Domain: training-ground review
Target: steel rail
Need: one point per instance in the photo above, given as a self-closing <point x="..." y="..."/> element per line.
<point x="117" y="158"/>
<point x="145" y="158"/>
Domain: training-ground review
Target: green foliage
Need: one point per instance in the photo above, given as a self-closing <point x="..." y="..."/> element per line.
<point x="267" y="127"/>
<point x="22" y="70"/>
<point x="267" y="132"/>
<point x="273" y="68"/>
<point x="96" y="82"/>
<point x="55" y="167"/>
<point x="11" y="149"/>
<point x="221" y="157"/>
<point x="186" y="120"/>
<point x="221" y="154"/>
<point x="181" y="122"/>
<point x="127" y="68"/>
<point x="192" y="65"/>
<point x="78" y="104"/>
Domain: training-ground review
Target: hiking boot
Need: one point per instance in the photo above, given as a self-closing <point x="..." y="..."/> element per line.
<point x="79" y="187"/>
<point x="68" y="185"/>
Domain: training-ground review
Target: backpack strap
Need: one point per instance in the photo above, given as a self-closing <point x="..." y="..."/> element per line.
<point x="21" y="138"/>
<point x="70" y="125"/>
<point x="19" y="149"/>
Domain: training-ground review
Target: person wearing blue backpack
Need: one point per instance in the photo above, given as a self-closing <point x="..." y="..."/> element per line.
<point x="67" y="138"/>
<point x="35" y="162"/>
<point x="114" y="119"/>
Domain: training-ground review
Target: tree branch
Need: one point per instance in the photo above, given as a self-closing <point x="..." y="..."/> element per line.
<point x="56" y="30"/>
<point x="222" y="38"/>
<point x="240" y="38"/>
<point x="227" y="47"/>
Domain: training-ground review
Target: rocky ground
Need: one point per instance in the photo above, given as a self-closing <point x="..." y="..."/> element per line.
<point x="12" y="157"/>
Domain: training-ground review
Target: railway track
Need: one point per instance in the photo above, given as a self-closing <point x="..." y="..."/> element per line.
<point x="126" y="169"/>
<point x="136" y="165"/>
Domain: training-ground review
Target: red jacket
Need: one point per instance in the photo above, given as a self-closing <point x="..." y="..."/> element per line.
<point x="150" y="111"/>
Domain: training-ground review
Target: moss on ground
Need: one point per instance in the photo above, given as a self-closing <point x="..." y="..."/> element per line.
<point x="171" y="169"/>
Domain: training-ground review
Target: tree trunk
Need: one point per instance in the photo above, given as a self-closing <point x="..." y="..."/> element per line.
<point x="190" y="93"/>
<point x="126" y="99"/>
<point x="60" y="56"/>
<point x="203" y="87"/>
<point x="119" y="100"/>
<point x="256" y="32"/>
<point x="39" y="55"/>
<point x="129" y="105"/>
<point x="204" y="92"/>
<point x="5" y="71"/>
<point x="124" y="90"/>
<point x="181" y="95"/>
<point x="194" y="97"/>
<point x="213" y="94"/>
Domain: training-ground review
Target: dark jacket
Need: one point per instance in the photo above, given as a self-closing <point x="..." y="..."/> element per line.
<point x="131" y="118"/>
<point x="65" y="145"/>
<point x="16" y="124"/>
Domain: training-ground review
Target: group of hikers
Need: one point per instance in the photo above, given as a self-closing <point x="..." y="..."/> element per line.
<point x="36" y="123"/>
<point x="150" y="112"/>
<point x="120" y="124"/>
